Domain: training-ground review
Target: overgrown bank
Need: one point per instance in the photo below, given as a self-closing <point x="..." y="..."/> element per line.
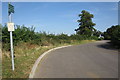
<point x="29" y="45"/>
<point x="25" y="34"/>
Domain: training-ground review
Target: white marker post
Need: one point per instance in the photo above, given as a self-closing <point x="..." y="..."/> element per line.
<point x="11" y="28"/>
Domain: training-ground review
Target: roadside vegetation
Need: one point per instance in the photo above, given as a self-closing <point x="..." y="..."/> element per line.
<point x="0" y="61"/>
<point x="29" y="45"/>
<point x="24" y="34"/>
<point x="113" y="34"/>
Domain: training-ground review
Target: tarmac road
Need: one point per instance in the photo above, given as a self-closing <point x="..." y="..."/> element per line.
<point x="92" y="60"/>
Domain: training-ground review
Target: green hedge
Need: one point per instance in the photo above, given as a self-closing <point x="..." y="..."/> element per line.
<point x="113" y="34"/>
<point x="28" y="34"/>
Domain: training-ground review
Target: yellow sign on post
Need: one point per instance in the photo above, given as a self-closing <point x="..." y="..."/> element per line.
<point x="10" y="26"/>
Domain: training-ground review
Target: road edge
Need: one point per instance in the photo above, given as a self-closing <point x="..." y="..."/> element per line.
<point x="40" y="58"/>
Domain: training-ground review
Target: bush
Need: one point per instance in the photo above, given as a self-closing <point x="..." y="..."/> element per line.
<point x="113" y="34"/>
<point x="25" y="34"/>
<point x="93" y="38"/>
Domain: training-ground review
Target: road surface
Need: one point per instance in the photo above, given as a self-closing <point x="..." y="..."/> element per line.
<point x="92" y="60"/>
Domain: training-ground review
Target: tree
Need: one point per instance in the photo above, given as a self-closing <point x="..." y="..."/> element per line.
<point x="97" y="33"/>
<point x="85" y="24"/>
<point x="113" y="34"/>
<point x="0" y="33"/>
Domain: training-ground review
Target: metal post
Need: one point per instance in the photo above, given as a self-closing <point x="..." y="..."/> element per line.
<point x="11" y="44"/>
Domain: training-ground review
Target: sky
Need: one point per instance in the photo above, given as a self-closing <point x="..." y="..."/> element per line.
<point x="61" y="17"/>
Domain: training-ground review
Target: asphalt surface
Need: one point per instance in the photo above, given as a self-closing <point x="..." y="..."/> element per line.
<point x="92" y="60"/>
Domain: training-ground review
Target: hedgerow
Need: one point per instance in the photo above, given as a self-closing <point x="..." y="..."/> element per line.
<point x="28" y="34"/>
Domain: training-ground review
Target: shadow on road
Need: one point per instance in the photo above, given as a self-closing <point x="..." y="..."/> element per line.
<point x="107" y="45"/>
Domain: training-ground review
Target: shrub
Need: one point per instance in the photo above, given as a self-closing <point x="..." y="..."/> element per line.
<point x="26" y="34"/>
<point x="113" y="34"/>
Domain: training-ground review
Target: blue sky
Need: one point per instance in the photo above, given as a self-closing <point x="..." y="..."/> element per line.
<point x="61" y="17"/>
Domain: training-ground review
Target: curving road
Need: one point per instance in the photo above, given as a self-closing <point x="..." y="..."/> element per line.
<point x="92" y="60"/>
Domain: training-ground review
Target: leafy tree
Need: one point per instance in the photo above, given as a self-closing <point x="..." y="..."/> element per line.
<point x="0" y="32"/>
<point x="97" y="33"/>
<point x="85" y="24"/>
<point x="113" y="34"/>
<point x="63" y="36"/>
<point x="5" y="35"/>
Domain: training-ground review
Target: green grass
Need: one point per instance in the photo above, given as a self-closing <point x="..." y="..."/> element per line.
<point x="25" y="57"/>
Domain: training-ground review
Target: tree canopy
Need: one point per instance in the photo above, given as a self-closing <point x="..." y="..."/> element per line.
<point x="113" y="34"/>
<point x="85" y="24"/>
